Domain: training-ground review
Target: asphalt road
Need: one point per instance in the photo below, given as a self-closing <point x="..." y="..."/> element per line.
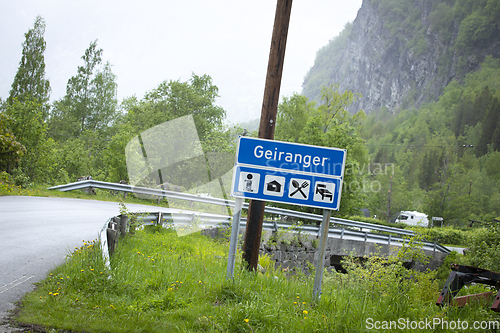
<point x="37" y="233"/>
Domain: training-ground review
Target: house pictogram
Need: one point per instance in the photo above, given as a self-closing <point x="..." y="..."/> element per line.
<point x="274" y="186"/>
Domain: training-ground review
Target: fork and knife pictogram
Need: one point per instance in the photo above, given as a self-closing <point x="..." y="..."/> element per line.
<point x="299" y="187"/>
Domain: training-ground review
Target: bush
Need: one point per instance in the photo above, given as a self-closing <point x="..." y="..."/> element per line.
<point x="446" y="235"/>
<point x="484" y="248"/>
<point x="444" y="270"/>
<point x="4" y="177"/>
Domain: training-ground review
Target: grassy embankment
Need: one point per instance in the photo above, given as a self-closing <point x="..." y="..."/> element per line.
<point x="159" y="282"/>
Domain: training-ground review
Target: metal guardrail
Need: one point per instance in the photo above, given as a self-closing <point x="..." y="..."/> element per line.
<point x="209" y="220"/>
<point x="391" y="236"/>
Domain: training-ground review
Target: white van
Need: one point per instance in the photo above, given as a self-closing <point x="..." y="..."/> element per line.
<point x="413" y="218"/>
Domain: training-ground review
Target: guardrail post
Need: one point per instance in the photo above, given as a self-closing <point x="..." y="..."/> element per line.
<point x="389" y="241"/>
<point x="321" y="254"/>
<point x="112" y="235"/>
<point x="342" y="233"/>
<point x="233" y="244"/>
<point x="123" y="225"/>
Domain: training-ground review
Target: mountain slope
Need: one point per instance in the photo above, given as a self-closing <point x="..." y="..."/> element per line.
<point x="402" y="53"/>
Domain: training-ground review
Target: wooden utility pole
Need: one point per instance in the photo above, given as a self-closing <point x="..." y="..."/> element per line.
<point x="255" y="217"/>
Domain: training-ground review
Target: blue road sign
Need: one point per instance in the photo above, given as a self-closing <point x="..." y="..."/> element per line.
<point x="291" y="156"/>
<point x="289" y="173"/>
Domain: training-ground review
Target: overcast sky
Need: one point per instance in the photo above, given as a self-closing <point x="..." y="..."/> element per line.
<point x="150" y="41"/>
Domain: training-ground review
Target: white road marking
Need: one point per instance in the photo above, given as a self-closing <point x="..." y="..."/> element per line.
<point x="15" y="283"/>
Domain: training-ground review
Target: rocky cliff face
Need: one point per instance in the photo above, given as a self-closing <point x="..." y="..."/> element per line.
<point x="394" y="66"/>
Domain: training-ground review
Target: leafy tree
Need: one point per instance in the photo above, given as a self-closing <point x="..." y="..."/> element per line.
<point x="27" y="105"/>
<point x="429" y="171"/>
<point x="11" y="150"/>
<point x="82" y="121"/>
<point x="492" y="165"/>
<point x="30" y="129"/>
<point x="475" y="30"/>
<point x="292" y="117"/>
<point x="30" y="82"/>
<point x="328" y="125"/>
<point x="90" y="103"/>
<point x="174" y="99"/>
<point x="114" y="154"/>
<point x="170" y="100"/>
<point x="484" y="248"/>
<point x="490" y="127"/>
<point x="443" y="22"/>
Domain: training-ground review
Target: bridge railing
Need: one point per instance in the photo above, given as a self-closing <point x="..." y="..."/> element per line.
<point x="343" y="228"/>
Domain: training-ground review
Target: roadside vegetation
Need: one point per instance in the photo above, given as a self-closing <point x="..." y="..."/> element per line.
<point x="442" y="159"/>
<point x="159" y="282"/>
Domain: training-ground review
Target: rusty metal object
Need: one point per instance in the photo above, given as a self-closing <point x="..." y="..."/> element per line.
<point x="462" y="275"/>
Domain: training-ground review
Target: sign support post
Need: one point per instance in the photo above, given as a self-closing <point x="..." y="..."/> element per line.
<point x="321" y="254"/>
<point x="290" y="173"/>
<point x="238" y="204"/>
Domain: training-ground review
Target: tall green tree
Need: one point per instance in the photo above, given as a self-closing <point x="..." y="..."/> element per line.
<point x="173" y="99"/>
<point x="82" y="121"/>
<point x="90" y="103"/>
<point x="31" y="131"/>
<point x="328" y="125"/>
<point x="11" y="150"/>
<point x="490" y="127"/>
<point x="27" y="104"/>
<point x="30" y="82"/>
<point x="292" y="117"/>
<point x="170" y="100"/>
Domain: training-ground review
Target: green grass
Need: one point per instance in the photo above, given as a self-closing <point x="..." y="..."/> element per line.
<point x="159" y="282"/>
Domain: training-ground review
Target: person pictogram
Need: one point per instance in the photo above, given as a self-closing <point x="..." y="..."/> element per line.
<point x="248" y="183"/>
